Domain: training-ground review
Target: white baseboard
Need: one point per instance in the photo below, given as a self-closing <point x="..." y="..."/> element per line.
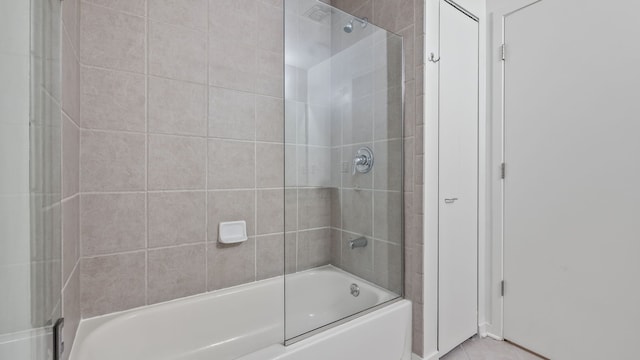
<point x="483" y="329"/>
<point x="495" y="337"/>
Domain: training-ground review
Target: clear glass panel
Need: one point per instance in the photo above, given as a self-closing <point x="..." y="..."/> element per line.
<point x="30" y="178"/>
<point x="343" y="166"/>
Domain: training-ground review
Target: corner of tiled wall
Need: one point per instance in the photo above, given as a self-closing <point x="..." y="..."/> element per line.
<point x="70" y="171"/>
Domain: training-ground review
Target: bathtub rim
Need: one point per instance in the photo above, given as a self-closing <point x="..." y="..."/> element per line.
<point x="344" y="320"/>
<point x="88" y="325"/>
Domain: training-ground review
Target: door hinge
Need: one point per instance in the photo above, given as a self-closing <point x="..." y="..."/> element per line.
<point x="502" y="170"/>
<point x="503" y="52"/>
<point x="502" y="288"/>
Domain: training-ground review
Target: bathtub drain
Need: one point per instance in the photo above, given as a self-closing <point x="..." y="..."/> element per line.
<point x="355" y="290"/>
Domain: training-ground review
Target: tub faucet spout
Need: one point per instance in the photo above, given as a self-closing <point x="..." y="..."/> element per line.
<point x="358" y="243"/>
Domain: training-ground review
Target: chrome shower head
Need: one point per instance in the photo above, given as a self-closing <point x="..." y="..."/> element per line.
<point x="348" y="28"/>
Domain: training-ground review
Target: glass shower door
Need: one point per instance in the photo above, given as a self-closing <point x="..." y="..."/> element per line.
<point x="343" y="167"/>
<point x="30" y="178"/>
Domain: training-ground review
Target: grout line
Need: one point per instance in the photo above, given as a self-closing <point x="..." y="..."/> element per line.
<point x="206" y="165"/>
<point x="126" y="252"/>
<point x="255" y="192"/>
<point x="146" y="130"/>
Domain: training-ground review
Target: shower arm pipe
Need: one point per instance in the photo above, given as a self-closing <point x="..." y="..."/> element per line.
<point x="363" y="21"/>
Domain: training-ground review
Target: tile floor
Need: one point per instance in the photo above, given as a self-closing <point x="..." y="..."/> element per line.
<point x="488" y="349"/>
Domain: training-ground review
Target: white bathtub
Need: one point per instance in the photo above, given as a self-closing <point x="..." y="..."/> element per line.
<point x="246" y="322"/>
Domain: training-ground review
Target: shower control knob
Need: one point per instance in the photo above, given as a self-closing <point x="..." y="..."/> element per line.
<point x="363" y="161"/>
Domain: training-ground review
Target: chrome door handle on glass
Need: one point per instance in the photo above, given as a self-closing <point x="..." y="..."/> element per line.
<point x="363" y="161"/>
<point x="450" y="201"/>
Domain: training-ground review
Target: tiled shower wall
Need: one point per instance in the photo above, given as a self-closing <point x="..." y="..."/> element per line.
<point x="181" y="128"/>
<point x="406" y="17"/>
<point x="368" y="71"/>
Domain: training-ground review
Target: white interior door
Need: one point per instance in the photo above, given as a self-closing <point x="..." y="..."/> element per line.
<point x="458" y="178"/>
<point x="572" y="186"/>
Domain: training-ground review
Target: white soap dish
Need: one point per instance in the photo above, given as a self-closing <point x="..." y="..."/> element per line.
<point x="232" y="232"/>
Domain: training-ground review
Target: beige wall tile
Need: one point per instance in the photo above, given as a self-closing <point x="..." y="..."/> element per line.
<point x="393" y="15"/>
<point x="269" y="165"/>
<point x="314" y="208"/>
<point x="357" y="210"/>
<point x="129" y="6"/>
<point x="269" y="119"/>
<point x="336" y="247"/>
<point x="387" y="111"/>
<point x="189" y="13"/>
<point x="270" y="256"/>
<point x="70" y="157"/>
<point x="387" y="265"/>
<point x="177" y="107"/>
<point x="290" y="252"/>
<point x="229" y="265"/>
<point x="232" y="64"/>
<point x="71" y="305"/>
<point x="112" y="161"/>
<point x="270" y="214"/>
<point x="70" y="19"/>
<point x="70" y="235"/>
<point x="177" y="53"/>
<point x="269" y="75"/>
<point x="177" y="162"/>
<point x="112" y="223"/>
<point x="408" y="164"/>
<point x="336" y="207"/>
<point x="314" y="248"/>
<point x="357" y="125"/>
<point x="410" y="109"/>
<point x="234" y="19"/>
<point x="269" y="27"/>
<point x="231" y="164"/>
<point x="349" y="5"/>
<point x="112" y="283"/>
<point x="232" y="114"/>
<point x="70" y="78"/>
<point x="291" y="209"/>
<point x="408" y="34"/>
<point x="387" y="216"/>
<point x="176" y="218"/>
<point x="232" y="44"/>
<point x="230" y="206"/>
<point x="112" y="39"/>
<point x="387" y="174"/>
<point x="291" y="165"/>
<point x="176" y="272"/>
<point x="112" y="100"/>
<point x="276" y="3"/>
